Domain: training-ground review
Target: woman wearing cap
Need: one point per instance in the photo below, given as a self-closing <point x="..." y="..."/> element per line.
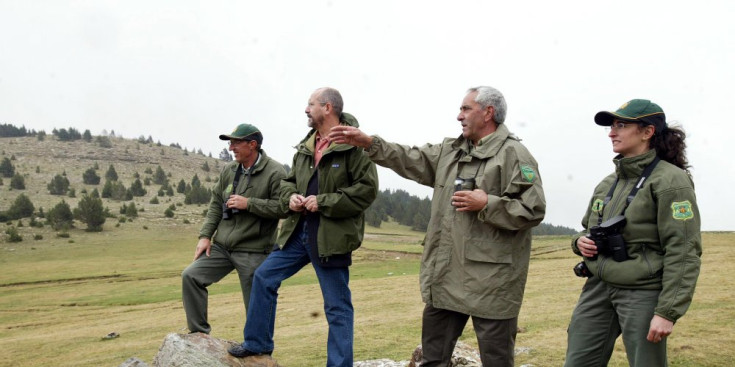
<point x="644" y="255"/>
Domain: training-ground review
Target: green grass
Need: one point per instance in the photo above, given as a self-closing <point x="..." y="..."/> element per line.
<point x="63" y="297"/>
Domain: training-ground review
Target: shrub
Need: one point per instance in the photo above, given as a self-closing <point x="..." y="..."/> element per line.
<point x="6" y="168"/>
<point x="111" y="174"/>
<point x="13" y="235"/>
<point x="59" y="185"/>
<point x="91" y="212"/>
<point x="136" y="188"/>
<point x="18" y="182"/>
<point x="22" y="208"/>
<point x="90" y="177"/>
<point x="60" y="217"/>
<point x="198" y="195"/>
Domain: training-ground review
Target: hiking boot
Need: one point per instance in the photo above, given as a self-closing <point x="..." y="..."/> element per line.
<point x="240" y="352"/>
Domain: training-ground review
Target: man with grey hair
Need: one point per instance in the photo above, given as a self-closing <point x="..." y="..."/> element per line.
<point x="487" y="198"/>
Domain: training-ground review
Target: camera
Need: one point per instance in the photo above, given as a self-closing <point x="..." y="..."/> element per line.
<point x="581" y="270"/>
<point x="227" y="213"/>
<point x="609" y="240"/>
<point x="464" y="184"/>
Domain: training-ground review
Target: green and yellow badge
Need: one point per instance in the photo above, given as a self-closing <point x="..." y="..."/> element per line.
<point x="682" y="210"/>
<point x="528" y="173"/>
<point x="597" y="206"/>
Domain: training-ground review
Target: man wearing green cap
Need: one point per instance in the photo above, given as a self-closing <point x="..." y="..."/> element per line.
<point x="241" y="224"/>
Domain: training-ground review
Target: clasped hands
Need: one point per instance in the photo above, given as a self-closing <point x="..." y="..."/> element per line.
<point x="299" y="203"/>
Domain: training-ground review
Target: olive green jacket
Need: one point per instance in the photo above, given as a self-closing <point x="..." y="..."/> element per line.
<point x="474" y="263"/>
<point x="254" y="229"/>
<point x="348" y="184"/>
<point x="662" y="233"/>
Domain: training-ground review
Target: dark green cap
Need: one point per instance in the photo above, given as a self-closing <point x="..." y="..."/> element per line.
<point x="635" y="110"/>
<point x="244" y="132"/>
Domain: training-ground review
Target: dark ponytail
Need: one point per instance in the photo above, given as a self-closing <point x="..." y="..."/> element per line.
<point x="670" y="146"/>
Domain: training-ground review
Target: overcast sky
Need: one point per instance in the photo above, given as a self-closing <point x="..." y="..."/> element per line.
<point x="186" y="71"/>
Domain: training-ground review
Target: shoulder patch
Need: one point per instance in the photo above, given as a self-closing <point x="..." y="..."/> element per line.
<point x="597" y="206"/>
<point x="528" y="173"/>
<point x="682" y="210"/>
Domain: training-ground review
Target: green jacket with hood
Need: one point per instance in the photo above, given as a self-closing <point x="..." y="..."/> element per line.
<point x="348" y="184"/>
<point x="253" y="229"/>
<point x="474" y="263"/>
<point x="662" y="234"/>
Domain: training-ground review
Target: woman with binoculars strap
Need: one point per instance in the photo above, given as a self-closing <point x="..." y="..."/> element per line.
<point x="639" y="295"/>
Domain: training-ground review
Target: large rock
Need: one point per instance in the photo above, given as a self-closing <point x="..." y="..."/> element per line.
<point x="202" y="350"/>
<point x="463" y="355"/>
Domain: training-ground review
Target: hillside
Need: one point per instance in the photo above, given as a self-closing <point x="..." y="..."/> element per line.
<point x="39" y="161"/>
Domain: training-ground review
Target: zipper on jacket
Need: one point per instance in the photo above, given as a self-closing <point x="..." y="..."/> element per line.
<point x="621" y="198"/>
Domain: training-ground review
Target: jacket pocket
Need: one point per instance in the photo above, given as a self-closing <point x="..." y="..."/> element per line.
<point x="483" y="251"/>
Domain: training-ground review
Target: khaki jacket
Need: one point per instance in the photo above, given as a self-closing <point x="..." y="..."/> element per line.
<point x="474" y="263"/>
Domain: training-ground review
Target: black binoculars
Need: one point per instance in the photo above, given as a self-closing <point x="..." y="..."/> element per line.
<point x="464" y="184"/>
<point x="609" y="240"/>
<point x="227" y="213"/>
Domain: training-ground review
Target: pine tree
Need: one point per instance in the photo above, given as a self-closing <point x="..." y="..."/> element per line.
<point x="111" y="174"/>
<point x="6" y="168"/>
<point x="59" y="185"/>
<point x="137" y="188"/>
<point x="22" y="207"/>
<point x="60" y="216"/>
<point x="90" y="177"/>
<point x="91" y="212"/>
<point x="18" y="182"/>
<point x="159" y="178"/>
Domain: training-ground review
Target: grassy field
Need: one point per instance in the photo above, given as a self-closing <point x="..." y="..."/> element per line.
<point x="60" y="296"/>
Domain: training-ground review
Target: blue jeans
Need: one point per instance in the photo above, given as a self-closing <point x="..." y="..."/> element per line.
<point x="334" y="283"/>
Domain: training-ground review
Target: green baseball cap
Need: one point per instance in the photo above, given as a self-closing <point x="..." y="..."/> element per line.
<point x="244" y="132"/>
<point x="635" y="110"/>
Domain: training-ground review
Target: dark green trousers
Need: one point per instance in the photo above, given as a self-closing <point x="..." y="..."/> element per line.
<point x="605" y="312"/>
<point x="441" y="328"/>
<point x="208" y="270"/>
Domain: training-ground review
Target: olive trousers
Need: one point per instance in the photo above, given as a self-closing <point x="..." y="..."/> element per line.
<point x="603" y="313"/>
<point x="205" y="271"/>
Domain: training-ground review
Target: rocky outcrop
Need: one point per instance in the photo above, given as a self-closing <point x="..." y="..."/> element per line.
<point x="202" y="350"/>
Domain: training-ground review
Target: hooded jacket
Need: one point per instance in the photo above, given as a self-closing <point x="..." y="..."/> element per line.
<point x="661" y="233"/>
<point x="348" y="184"/>
<point x="253" y="229"/>
<point x="475" y="263"/>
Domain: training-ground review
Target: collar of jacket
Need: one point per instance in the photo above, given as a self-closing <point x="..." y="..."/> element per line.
<point x="307" y="144"/>
<point x="490" y="146"/>
<point x="633" y="166"/>
<point x="259" y="164"/>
